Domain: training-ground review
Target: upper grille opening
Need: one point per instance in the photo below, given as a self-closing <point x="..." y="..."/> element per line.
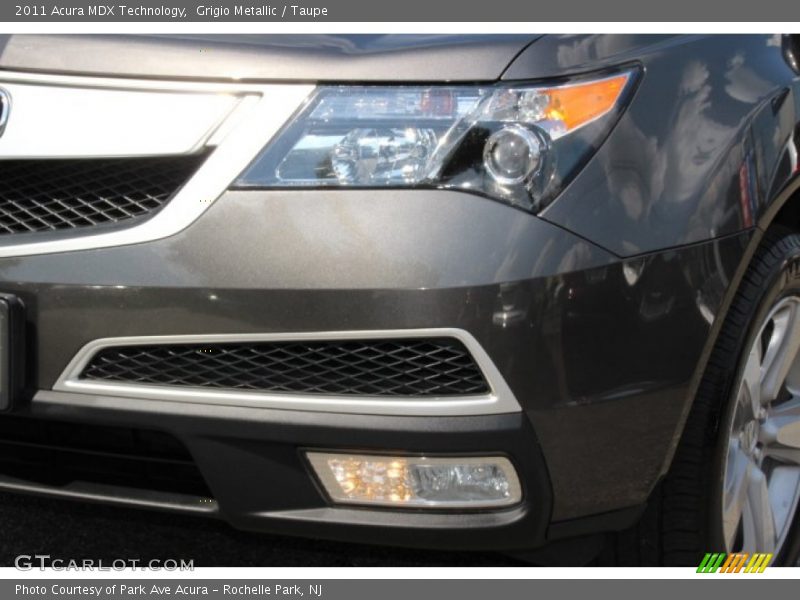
<point x="399" y="367"/>
<point x="49" y="195"/>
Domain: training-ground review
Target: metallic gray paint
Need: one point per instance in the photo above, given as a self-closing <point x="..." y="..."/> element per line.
<point x="268" y="57"/>
<point x="557" y="315"/>
<point x="710" y="111"/>
<point x="331" y="239"/>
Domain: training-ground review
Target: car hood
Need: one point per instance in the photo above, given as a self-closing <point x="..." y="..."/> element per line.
<point x="268" y="57"/>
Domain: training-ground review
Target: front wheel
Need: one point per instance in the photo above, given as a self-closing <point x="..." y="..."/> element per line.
<point x="734" y="484"/>
<point x="761" y="475"/>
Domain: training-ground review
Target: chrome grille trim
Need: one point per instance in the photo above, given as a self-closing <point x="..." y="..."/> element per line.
<point x="393" y="368"/>
<point x="499" y="400"/>
<point x="246" y="117"/>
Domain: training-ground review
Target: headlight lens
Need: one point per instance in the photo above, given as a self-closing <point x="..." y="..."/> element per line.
<point x="519" y="143"/>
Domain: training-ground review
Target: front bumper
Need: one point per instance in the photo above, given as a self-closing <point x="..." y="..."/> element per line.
<point x="253" y="463"/>
<point x="601" y="354"/>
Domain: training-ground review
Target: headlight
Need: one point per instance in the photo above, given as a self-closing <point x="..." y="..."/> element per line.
<point x="517" y="143"/>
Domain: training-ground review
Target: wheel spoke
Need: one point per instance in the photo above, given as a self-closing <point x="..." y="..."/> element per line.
<point x="781" y="351"/>
<point x="751" y="381"/>
<point x="758" y="518"/>
<point x="735" y="493"/>
<point x="785" y="455"/>
<point x="783" y="487"/>
<point x="782" y="425"/>
<point x="780" y="432"/>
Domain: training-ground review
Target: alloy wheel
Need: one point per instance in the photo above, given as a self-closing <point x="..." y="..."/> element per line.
<point x="761" y="484"/>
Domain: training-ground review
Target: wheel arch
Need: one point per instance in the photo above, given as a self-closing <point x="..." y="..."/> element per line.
<point x="782" y="209"/>
<point x="786" y="209"/>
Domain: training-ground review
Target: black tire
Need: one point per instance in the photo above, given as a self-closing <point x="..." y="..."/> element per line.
<point x="683" y="518"/>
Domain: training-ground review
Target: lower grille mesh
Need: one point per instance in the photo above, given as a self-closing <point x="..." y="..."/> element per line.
<point x="399" y="367"/>
<point x="58" y="453"/>
<point x="64" y="194"/>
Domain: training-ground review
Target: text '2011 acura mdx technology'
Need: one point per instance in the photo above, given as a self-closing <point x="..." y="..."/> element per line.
<point x="538" y="294"/>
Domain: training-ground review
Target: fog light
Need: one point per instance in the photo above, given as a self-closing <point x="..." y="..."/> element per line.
<point x="417" y="481"/>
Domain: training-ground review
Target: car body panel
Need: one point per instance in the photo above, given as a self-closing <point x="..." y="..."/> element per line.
<point x="245" y="58"/>
<point x="557" y="315"/>
<point x="691" y="158"/>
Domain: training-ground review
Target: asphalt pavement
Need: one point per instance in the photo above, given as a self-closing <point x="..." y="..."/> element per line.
<point x="71" y="530"/>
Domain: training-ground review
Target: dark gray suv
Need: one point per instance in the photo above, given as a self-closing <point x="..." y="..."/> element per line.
<point x="539" y="294"/>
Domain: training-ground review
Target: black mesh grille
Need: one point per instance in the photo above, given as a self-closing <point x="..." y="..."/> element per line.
<point x="404" y="367"/>
<point x="62" y="194"/>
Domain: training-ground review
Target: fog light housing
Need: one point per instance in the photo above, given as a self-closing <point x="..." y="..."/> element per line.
<point x="417" y="481"/>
